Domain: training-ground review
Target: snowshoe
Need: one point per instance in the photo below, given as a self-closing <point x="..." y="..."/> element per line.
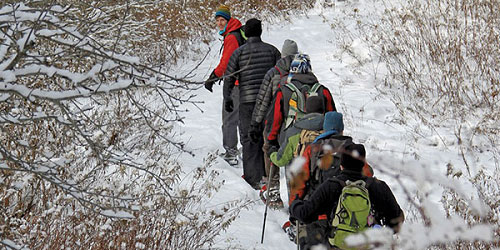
<point x="289" y="229"/>
<point x="275" y="201"/>
<point x="231" y="157"/>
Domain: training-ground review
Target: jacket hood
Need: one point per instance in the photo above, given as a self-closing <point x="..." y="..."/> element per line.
<point x="312" y="121"/>
<point x="309" y="78"/>
<point x="284" y="63"/>
<point x="232" y="25"/>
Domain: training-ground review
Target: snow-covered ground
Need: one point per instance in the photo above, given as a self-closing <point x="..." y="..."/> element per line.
<point x="369" y="117"/>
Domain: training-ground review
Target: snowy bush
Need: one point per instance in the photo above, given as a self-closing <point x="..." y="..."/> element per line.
<point x="441" y="58"/>
<point x="87" y="148"/>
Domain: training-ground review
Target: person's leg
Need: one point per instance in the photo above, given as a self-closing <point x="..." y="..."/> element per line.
<point x="265" y="148"/>
<point x="253" y="157"/>
<point x="230" y="125"/>
<point x="273" y="188"/>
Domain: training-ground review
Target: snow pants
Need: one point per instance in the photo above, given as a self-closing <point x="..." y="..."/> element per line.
<point x="230" y="123"/>
<point x="253" y="157"/>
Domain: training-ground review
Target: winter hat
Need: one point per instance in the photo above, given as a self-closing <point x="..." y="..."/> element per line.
<point x="354" y="157"/>
<point x="301" y="64"/>
<point x="289" y="48"/>
<point x="253" y="27"/>
<point x="333" y="121"/>
<point x="314" y="104"/>
<point x="223" y="11"/>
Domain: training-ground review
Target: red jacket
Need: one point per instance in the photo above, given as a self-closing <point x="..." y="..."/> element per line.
<point x="279" y="114"/>
<point x="230" y="45"/>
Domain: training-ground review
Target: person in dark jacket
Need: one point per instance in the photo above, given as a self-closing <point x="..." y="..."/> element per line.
<point x="264" y="98"/>
<point x="228" y="28"/>
<point x="324" y="199"/>
<point x="248" y="64"/>
<point x="300" y="76"/>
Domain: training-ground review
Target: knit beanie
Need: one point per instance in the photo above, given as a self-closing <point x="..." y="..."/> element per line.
<point x="224" y="12"/>
<point x="314" y="104"/>
<point x="333" y="121"/>
<point x="301" y="64"/>
<point x="289" y="48"/>
<point x="253" y="27"/>
<point x="353" y="157"/>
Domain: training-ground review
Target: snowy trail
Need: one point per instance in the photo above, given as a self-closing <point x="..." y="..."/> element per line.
<point x="368" y="118"/>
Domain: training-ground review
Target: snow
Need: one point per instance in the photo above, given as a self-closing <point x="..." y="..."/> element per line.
<point x="351" y="73"/>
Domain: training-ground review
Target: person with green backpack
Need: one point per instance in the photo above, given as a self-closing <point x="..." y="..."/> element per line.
<point x="351" y="201"/>
<point x="290" y="98"/>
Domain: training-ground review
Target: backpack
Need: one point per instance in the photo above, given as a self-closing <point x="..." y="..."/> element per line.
<point x="325" y="160"/>
<point x="306" y="138"/>
<point x="353" y="213"/>
<point x="240" y="35"/>
<point x="297" y="101"/>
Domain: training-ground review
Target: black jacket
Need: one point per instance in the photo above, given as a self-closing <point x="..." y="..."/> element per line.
<point x="248" y="64"/>
<point x="324" y="201"/>
<point x="269" y="87"/>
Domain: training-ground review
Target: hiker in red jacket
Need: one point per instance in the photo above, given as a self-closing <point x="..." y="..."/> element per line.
<point x="229" y="28"/>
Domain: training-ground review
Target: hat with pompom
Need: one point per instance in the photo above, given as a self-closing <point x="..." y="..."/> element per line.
<point x="301" y="64"/>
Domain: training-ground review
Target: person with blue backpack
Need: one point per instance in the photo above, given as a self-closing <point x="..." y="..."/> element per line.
<point x="339" y="196"/>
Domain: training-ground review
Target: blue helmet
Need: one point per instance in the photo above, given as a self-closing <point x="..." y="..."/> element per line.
<point x="301" y="64"/>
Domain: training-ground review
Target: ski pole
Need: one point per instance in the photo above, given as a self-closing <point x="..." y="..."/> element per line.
<point x="297" y="235"/>
<point x="267" y="202"/>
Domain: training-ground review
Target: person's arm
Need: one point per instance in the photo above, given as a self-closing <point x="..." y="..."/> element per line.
<point x="277" y="117"/>
<point x="230" y="75"/>
<point x="320" y="202"/>
<point x="385" y="204"/>
<point x="330" y="104"/>
<point x="285" y="155"/>
<point x="230" y="45"/>
<point x="263" y="98"/>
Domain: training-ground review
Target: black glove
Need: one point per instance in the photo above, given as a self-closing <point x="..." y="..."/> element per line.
<point x="293" y="206"/>
<point x="273" y="143"/>
<point x="255" y="133"/>
<point x="211" y="80"/>
<point x="228" y="105"/>
<point x="272" y="149"/>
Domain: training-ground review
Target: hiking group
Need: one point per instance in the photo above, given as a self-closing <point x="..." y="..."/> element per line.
<point x="284" y="113"/>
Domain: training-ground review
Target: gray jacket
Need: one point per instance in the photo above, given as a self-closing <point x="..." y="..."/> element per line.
<point x="248" y="64"/>
<point x="269" y="87"/>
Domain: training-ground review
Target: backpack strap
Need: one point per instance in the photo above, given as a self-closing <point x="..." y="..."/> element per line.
<point x="278" y="69"/>
<point x="369" y="181"/>
<point x="314" y="89"/>
<point x="296" y="102"/>
<point x="238" y="35"/>
<point x="341" y="182"/>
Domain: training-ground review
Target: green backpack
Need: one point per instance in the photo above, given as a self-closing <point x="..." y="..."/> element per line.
<point x="353" y="213"/>
<point x="297" y="102"/>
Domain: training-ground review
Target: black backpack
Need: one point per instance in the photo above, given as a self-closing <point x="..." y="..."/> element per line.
<point x="325" y="160"/>
<point x="240" y="35"/>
